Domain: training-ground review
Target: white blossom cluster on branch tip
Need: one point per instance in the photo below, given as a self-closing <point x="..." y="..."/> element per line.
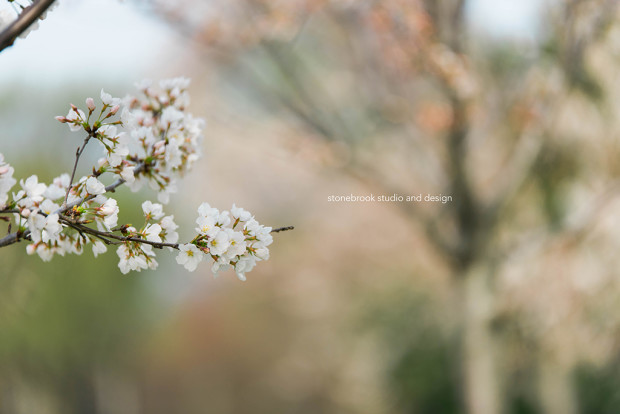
<point x="230" y="238"/>
<point x="147" y="140"/>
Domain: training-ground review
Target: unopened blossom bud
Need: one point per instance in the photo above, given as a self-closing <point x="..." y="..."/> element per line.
<point x="114" y="109"/>
<point x="26" y="213"/>
<point x="262" y="253"/>
<point x="90" y="103"/>
<point x="61" y="119"/>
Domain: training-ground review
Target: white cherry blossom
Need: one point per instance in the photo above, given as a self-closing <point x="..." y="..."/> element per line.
<point x="99" y="248"/>
<point x="219" y="244"/>
<point x="152" y="233"/>
<point x="94" y="186"/>
<point x="240" y="214"/>
<point x="189" y="256"/>
<point x="152" y="211"/>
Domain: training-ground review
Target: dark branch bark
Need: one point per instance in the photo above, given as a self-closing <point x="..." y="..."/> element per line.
<point x="11" y="238"/>
<point x="282" y="229"/>
<point x="26" y="18"/>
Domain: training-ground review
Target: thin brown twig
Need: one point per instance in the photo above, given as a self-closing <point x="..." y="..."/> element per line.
<point x="282" y="229"/>
<point x="109" y="189"/>
<point x="78" y="154"/>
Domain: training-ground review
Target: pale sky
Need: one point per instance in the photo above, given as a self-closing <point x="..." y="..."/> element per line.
<point x="97" y="39"/>
<point x="507" y="18"/>
<point x="82" y="38"/>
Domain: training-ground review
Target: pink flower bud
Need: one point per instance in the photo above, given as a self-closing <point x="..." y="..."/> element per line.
<point x="114" y="109"/>
<point x="61" y="119"/>
<point x="25" y="213"/>
<point x="90" y="103"/>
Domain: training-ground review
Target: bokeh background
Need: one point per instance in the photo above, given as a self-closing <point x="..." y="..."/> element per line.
<point x="504" y="300"/>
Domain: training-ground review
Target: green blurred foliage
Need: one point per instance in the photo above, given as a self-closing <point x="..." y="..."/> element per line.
<point x="599" y="388"/>
<point x="62" y="322"/>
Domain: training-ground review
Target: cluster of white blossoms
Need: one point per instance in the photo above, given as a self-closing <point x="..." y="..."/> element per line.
<point x="146" y="140"/>
<point x="231" y="239"/>
<point x="158" y="228"/>
<point x="154" y="141"/>
<point x="6" y="180"/>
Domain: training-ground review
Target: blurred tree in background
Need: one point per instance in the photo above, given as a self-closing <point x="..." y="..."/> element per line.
<point x="404" y="97"/>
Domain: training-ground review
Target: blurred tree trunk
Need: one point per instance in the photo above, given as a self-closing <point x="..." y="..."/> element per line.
<point x="78" y="391"/>
<point x="7" y="400"/>
<point x="482" y="387"/>
<point x="557" y="393"/>
<point x="482" y="393"/>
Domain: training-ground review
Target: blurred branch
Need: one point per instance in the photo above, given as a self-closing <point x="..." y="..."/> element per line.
<point x="13" y="238"/>
<point x="467" y="211"/>
<point x="580" y="37"/>
<point x="458" y="29"/>
<point x="444" y="59"/>
<point x="522" y="164"/>
<point x="573" y="235"/>
<point x="25" y="19"/>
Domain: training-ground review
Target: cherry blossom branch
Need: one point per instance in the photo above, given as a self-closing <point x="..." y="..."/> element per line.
<point x="103" y="235"/>
<point x="159" y="141"/>
<point x="107" y="235"/>
<point x="15" y="237"/>
<point x="25" y="19"/>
